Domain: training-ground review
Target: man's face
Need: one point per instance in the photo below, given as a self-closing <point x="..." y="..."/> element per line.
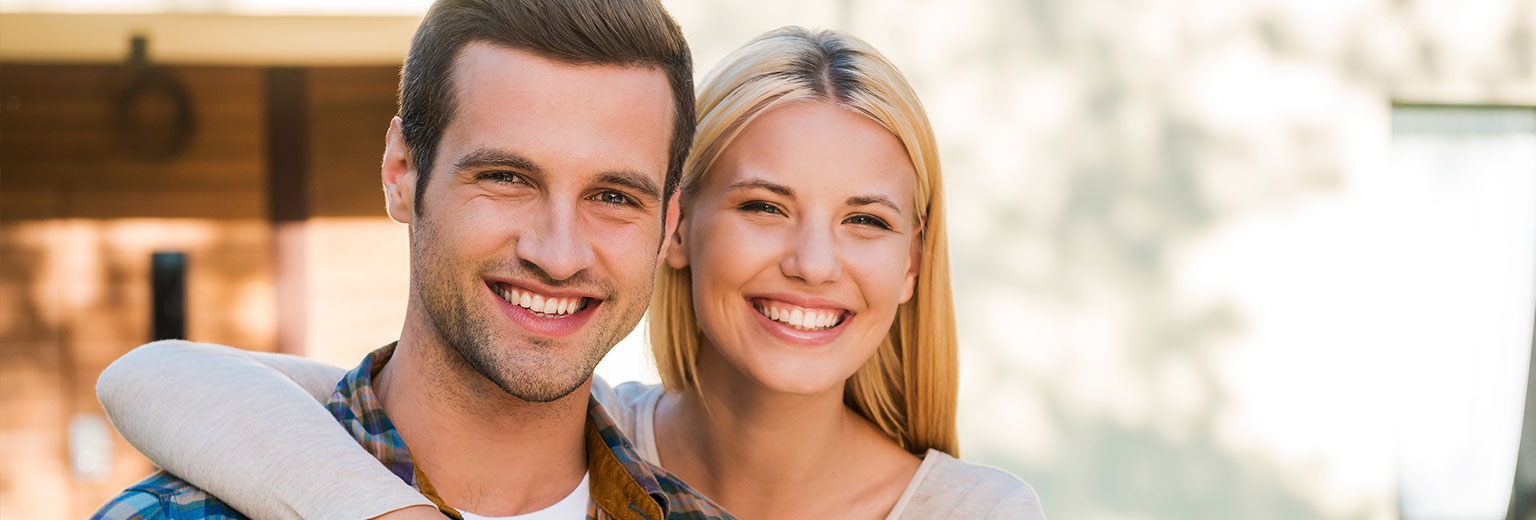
<point x="535" y="247"/>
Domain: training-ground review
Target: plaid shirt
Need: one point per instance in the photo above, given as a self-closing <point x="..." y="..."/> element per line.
<point x="623" y="486"/>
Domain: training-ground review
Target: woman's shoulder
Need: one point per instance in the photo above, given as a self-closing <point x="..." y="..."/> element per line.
<point x="635" y="393"/>
<point x="952" y="488"/>
<point x="632" y="406"/>
<point x="628" y="404"/>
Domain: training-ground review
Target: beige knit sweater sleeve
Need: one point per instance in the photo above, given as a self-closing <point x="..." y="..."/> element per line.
<point x="248" y="428"/>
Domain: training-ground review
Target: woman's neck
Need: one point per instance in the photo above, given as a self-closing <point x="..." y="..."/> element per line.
<point x="766" y="454"/>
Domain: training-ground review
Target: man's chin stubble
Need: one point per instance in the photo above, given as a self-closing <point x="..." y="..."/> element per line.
<point x="520" y="378"/>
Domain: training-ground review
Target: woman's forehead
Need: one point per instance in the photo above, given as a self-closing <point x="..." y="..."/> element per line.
<point x="819" y="148"/>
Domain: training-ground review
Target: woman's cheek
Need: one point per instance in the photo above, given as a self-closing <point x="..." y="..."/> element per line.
<point x="725" y="253"/>
<point x="747" y="244"/>
<point x="879" y="267"/>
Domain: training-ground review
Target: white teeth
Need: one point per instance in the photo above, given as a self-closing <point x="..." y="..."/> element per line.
<point x="540" y="304"/>
<point x="800" y="318"/>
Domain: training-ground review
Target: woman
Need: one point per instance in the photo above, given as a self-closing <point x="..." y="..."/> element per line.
<point x="802" y="323"/>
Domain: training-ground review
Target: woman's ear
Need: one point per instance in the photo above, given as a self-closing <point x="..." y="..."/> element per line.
<point x="914" y="261"/>
<point x="398" y="175"/>
<point x="676" y="250"/>
<point x="669" y="227"/>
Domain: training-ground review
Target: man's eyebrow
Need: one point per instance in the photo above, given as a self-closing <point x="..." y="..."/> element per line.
<point x="483" y="157"/>
<point x="634" y="181"/>
<point x="762" y="184"/>
<point x="865" y="200"/>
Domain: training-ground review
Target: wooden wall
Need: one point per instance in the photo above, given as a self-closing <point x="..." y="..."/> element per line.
<point x="80" y="216"/>
<point x="357" y="260"/>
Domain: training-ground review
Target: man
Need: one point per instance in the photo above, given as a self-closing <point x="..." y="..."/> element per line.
<point x="535" y="160"/>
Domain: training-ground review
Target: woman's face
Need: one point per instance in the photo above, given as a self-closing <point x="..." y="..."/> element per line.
<point x="802" y="244"/>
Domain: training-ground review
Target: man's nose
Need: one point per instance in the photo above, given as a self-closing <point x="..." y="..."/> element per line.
<point x="813" y="256"/>
<point x="559" y="246"/>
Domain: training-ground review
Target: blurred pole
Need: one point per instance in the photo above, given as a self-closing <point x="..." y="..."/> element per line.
<point x="288" y="199"/>
<point x="1522" y="498"/>
<point x="168" y="292"/>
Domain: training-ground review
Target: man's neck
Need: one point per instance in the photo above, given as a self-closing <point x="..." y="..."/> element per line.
<point x="483" y="450"/>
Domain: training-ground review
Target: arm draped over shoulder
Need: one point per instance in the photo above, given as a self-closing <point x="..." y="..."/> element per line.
<point x="249" y="428"/>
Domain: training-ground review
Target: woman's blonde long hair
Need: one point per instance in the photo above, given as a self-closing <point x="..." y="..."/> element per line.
<point x="908" y="387"/>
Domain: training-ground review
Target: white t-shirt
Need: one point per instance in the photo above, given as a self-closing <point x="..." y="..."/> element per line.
<point x="572" y="507"/>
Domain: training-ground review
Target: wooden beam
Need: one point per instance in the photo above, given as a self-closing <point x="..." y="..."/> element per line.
<point x="288" y="199"/>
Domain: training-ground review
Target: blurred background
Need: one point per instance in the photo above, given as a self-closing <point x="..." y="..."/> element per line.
<point x="1213" y="258"/>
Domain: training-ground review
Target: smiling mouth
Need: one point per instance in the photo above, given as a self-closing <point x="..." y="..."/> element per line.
<point x="541" y="305"/>
<point x="800" y="318"/>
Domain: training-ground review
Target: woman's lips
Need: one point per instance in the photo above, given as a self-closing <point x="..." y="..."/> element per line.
<point x="798" y="317"/>
<point x="816" y="325"/>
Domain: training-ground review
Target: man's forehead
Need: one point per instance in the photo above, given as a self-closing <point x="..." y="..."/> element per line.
<point x="480" y="61"/>
<point x="557" y="115"/>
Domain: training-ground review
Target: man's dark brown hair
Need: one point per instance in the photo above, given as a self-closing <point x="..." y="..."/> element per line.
<point x="578" y="32"/>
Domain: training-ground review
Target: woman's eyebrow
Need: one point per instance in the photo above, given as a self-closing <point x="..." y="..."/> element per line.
<point x="762" y="184"/>
<point x="865" y="200"/>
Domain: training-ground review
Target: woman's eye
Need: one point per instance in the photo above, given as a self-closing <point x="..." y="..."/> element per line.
<point x="613" y="197"/>
<point x="758" y="206"/>
<point x="867" y="220"/>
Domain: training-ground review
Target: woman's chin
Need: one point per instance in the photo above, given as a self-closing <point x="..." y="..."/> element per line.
<point x="777" y="369"/>
<point x="801" y="383"/>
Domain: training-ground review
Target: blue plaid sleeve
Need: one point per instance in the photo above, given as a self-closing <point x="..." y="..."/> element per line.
<point x="131" y="505"/>
<point x="162" y="496"/>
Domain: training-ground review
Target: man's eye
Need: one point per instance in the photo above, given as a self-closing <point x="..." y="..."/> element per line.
<point x="503" y="177"/>
<point x="613" y="197"/>
<point x="867" y="220"/>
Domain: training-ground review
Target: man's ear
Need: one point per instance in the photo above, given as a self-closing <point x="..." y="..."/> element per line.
<point x="909" y="282"/>
<point x="669" y="227"/>
<point x="398" y="175"/>
<point x="673" y="248"/>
